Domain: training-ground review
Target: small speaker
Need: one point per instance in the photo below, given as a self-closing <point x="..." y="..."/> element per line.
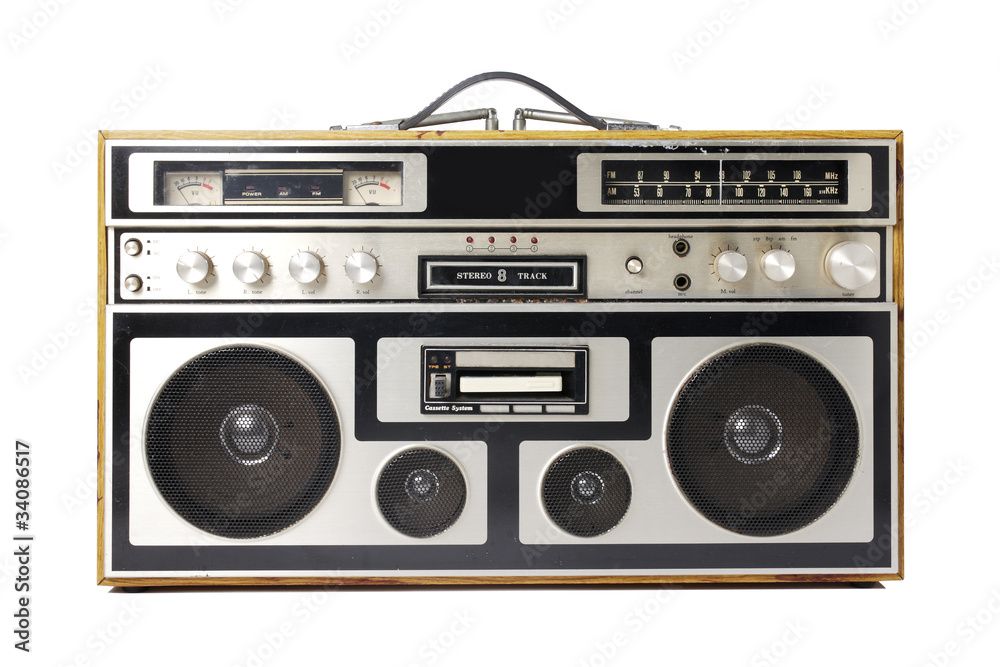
<point x="586" y="492"/>
<point x="242" y="442"/>
<point x="762" y="440"/>
<point x="421" y="492"/>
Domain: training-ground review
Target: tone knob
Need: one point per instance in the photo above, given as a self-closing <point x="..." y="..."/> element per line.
<point x="778" y="265"/>
<point x="731" y="266"/>
<point x="194" y="266"/>
<point x="361" y="267"/>
<point x="305" y="267"/>
<point x="851" y="264"/>
<point x="250" y="266"/>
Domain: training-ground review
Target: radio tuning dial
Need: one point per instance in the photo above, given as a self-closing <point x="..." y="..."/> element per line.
<point x="851" y="264"/>
<point x="194" y="266"/>
<point x="778" y="265"/>
<point x="305" y="267"/>
<point x="731" y="266"/>
<point x="250" y="266"/>
<point x="361" y="267"/>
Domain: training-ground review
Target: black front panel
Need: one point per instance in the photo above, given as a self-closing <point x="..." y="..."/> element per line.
<point x="527" y="183"/>
<point x="502" y="549"/>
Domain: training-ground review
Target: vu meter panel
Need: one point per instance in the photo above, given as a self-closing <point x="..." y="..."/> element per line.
<point x="244" y="184"/>
<point x="724" y="182"/>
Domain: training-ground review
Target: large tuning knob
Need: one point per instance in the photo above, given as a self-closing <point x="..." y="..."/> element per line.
<point x="250" y="266"/>
<point x="193" y="266"/>
<point x="851" y="264"/>
<point x="305" y="267"/>
<point x="778" y="265"/>
<point x="731" y="266"/>
<point x="361" y="267"/>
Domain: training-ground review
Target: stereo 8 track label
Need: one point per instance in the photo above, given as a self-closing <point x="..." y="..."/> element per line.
<point x="22" y="544"/>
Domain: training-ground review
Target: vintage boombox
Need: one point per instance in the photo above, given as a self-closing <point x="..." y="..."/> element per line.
<point x="383" y="355"/>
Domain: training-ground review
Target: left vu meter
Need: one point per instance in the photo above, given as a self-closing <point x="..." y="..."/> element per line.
<point x="192" y="188"/>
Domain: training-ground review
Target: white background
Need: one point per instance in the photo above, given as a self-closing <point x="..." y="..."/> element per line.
<point x="928" y="68"/>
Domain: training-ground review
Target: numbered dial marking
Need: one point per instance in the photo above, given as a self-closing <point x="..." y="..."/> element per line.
<point x="373" y="188"/>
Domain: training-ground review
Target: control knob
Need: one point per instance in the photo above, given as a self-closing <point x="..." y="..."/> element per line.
<point x="851" y="264"/>
<point x="361" y="267"/>
<point x="778" y="265"/>
<point x="193" y="266"/>
<point x="250" y="266"/>
<point x="305" y="267"/>
<point x="731" y="266"/>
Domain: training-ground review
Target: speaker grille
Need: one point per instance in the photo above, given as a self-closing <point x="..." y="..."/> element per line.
<point x="242" y="442"/>
<point x="421" y="492"/>
<point x="586" y="492"/>
<point x="762" y="440"/>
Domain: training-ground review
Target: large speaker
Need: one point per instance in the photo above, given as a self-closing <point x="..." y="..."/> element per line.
<point x="763" y="439"/>
<point x="242" y="442"/>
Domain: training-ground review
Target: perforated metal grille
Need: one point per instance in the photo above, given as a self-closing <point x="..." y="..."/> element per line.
<point x="421" y="492"/>
<point x="586" y="492"/>
<point x="242" y="442"/>
<point x="763" y="440"/>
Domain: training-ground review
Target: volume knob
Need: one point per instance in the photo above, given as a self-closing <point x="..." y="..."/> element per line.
<point x="361" y="267"/>
<point x="731" y="266"/>
<point x="851" y="264"/>
<point x="250" y="266"/>
<point x="193" y="266"/>
<point x="305" y="267"/>
<point x="778" y="265"/>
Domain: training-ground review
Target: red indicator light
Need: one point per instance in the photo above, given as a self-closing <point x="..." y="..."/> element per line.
<point x="492" y="239"/>
<point x="513" y="239"/>
<point x="534" y="239"/>
<point x="468" y="239"/>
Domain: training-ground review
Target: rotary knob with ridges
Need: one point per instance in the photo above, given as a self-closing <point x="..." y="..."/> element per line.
<point x="361" y="267"/>
<point x="305" y="266"/>
<point x="194" y="266"/>
<point x="250" y="266"/>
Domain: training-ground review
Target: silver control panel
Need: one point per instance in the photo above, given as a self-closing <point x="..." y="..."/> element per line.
<point x="750" y="263"/>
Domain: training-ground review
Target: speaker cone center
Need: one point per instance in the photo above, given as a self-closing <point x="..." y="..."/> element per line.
<point x="753" y="434"/>
<point x="422" y="485"/>
<point x="249" y="433"/>
<point x="587" y="487"/>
